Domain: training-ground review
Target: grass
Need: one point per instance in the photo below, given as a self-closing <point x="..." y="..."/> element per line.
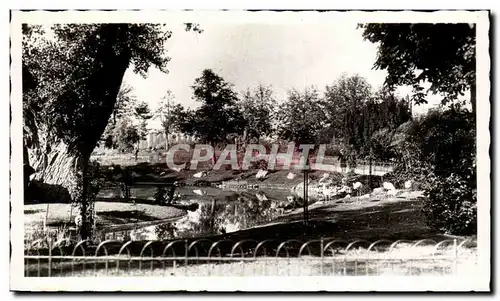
<point x="348" y="219"/>
<point x="108" y="213"/>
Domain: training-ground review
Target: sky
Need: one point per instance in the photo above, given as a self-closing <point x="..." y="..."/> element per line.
<point x="282" y="55"/>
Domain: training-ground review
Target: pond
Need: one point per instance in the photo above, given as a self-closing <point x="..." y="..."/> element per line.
<point x="219" y="211"/>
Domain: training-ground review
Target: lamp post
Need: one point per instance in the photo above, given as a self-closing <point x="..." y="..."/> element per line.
<point x="306" y="184"/>
<point x="306" y="171"/>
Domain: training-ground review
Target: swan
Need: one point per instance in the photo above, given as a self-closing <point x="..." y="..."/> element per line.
<point x="199" y="192"/>
<point x="357" y="185"/>
<point x="389" y="186"/>
<point x="408" y="184"/>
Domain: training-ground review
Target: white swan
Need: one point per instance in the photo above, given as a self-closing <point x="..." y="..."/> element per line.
<point x="357" y="185"/>
<point x="389" y="186"/>
<point x="408" y="184"/>
<point x="199" y="192"/>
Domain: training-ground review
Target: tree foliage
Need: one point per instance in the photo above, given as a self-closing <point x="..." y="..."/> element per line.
<point x="73" y="76"/>
<point x="302" y="116"/>
<point x="125" y="102"/>
<point x="443" y="55"/>
<point x="256" y="106"/>
<point x="346" y="94"/>
<point x="218" y="115"/>
<point x="355" y="113"/>
<point x="172" y="115"/>
<point x="125" y="135"/>
<point x="79" y="72"/>
<point x="142" y="113"/>
<point x="124" y="108"/>
<point x="439" y="150"/>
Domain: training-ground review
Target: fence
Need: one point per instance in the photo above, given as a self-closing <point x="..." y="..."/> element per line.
<point x="203" y="257"/>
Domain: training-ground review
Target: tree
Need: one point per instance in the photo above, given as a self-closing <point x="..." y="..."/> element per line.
<point x="355" y="113"/>
<point x="171" y="115"/>
<point x="381" y="144"/>
<point x="256" y="106"/>
<point x="218" y="116"/>
<point x="301" y="117"/>
<point x="77" y="76"/>
<point x="447" y="140"/>
<point x="125" y="102"/>
<point x="143" y="114"/>
<point x="382" y="114"/>
<point x="448" y="143"/>
<point x="343" y="100"/>
<point x="186" y="120"/>
<point x="442" y="54"/>
<point x="438" y="150"/>
<point x="125" y="135"/>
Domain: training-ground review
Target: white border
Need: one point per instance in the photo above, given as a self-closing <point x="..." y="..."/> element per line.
<point x="255" y="4"/>
<point x="479" y="282"/>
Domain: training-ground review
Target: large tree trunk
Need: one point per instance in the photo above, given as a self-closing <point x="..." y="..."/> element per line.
<point x="166" y="141"/>
<point x="55" y="174"/>
<point x="60" y="166"/>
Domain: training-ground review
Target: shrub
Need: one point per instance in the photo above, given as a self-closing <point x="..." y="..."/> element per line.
<point x="332" y="150"/>
<point x="261" y="164"/>
<point x="311" y="176"/>
<point x="451" y="205"/>
<point x="418" y="175"/>
<point x="437" y="152"/>
<point x="165" y="231"/>
<point x="61" y="234"/>
<point x="449" y="147"/>
<point x="160" y="195"/>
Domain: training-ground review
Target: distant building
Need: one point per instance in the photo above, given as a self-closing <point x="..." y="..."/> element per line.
<point x="157" y="140"/>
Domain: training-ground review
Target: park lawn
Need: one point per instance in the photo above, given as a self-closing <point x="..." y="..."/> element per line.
<point x="372" y="218"/>
<point x="108" y="213"/>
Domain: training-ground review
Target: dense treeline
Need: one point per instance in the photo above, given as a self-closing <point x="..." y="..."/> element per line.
<point x="342" y="116"/>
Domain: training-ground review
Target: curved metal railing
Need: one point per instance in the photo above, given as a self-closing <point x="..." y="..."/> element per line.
<point x="325" y="256"/>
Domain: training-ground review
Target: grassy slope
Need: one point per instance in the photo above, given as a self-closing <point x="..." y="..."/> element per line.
<point x="107" y="213"/>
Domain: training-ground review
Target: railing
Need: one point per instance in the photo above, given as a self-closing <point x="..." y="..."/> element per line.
<point x="244" y="185"/>
<point x="203" y="257"/>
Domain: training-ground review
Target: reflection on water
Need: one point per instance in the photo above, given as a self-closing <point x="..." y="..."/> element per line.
<point x="237" y="211"/>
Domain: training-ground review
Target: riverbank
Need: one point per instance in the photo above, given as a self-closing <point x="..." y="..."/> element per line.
<point x="273" y="179"/>
<point x="144" y="172"/>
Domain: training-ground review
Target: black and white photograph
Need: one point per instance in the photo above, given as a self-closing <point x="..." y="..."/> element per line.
<point x="163" y="150"/>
